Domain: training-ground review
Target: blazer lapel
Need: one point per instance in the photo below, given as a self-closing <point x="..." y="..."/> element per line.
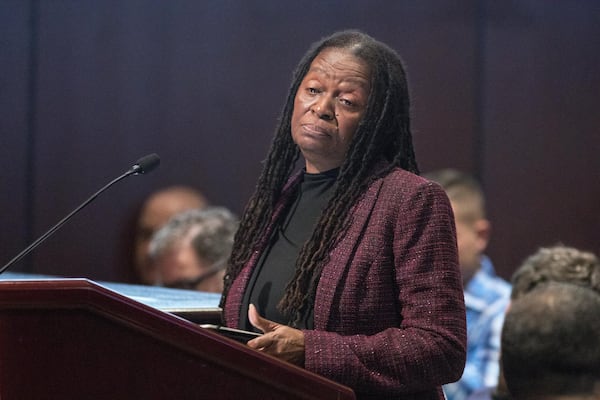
<point x="341" y="256"/>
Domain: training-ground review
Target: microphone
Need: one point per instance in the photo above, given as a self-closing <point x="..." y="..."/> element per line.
<point x="141" y="166"/>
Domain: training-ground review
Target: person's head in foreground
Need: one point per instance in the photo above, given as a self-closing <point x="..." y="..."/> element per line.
<point x="550" y="343"/>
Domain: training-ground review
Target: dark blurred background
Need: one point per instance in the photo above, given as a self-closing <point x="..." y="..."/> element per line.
<point x="506" y="90"/>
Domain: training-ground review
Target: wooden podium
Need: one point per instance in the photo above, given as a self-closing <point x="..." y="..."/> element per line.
<point x="75" y="339"/>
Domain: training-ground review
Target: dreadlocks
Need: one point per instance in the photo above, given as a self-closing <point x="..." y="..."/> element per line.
<point x="383" y="134"/>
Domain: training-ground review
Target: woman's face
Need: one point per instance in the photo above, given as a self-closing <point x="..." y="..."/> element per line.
<point x="330" y="103"/>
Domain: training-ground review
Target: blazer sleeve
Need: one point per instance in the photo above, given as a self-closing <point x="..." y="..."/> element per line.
<point x="425" y="347"/>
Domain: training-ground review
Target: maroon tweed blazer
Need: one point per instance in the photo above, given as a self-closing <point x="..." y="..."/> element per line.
<point x="389" y="310"/>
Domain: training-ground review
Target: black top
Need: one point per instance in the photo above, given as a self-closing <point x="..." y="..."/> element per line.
<point x="277" y="264"/>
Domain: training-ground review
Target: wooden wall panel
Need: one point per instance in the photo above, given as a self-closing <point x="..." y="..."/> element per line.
<point x="15" y="86"/>
<point x="542" y="137"/>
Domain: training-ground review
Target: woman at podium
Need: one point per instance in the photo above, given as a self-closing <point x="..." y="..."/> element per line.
<point x="349" y="264"/>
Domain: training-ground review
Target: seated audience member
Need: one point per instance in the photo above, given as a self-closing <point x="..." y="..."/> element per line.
<point x="191" y="250"/>
<point x="154" y="213"/>
<point x="486" y="295"/>
<point x="557" y="264"/>
<point x="550" y="345"/>
<point x="549" y="264"/>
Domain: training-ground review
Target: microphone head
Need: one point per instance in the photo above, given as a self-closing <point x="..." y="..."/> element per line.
<point x="146" y="164"/>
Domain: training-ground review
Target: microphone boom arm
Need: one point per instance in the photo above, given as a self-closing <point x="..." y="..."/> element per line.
<point x="139" y="168"/>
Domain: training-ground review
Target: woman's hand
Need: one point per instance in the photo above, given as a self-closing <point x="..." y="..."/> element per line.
<point x="278" y="340"/>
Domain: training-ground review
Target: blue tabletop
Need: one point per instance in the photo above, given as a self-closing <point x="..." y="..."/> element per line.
<point x="165" y="299"/>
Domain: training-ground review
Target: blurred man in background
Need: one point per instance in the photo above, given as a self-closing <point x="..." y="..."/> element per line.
<point x="486" y="295"/>
<point x="155" y="212"/>
<point x="192" y="249"/>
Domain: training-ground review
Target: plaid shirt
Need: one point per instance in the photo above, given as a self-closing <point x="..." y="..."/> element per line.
<point x="486" y="299"/>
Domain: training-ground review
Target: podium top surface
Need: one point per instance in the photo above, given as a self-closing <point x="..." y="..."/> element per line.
<point x="185" y="303"/>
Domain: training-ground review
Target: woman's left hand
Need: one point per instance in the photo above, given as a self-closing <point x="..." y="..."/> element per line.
<point x="278" y="340"/>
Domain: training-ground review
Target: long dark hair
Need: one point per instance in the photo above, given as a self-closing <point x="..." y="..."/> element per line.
<point x="383" y="134"/>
